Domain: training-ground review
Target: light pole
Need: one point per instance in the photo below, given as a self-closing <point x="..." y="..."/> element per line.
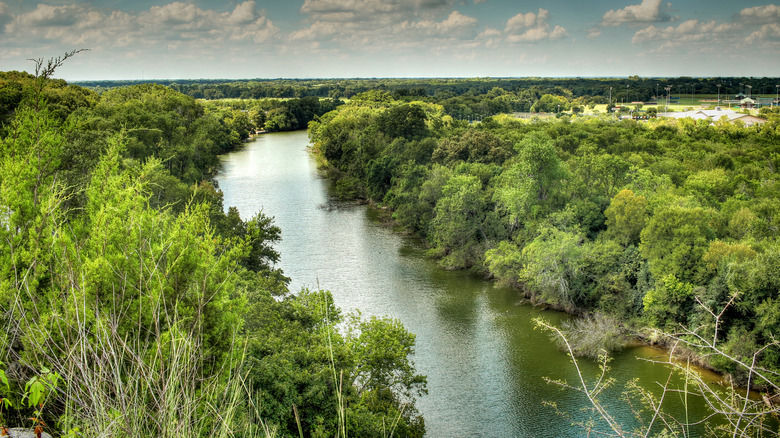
<point x="668" y="96"/>
<point x="777" y="94"/>
<point x="719" y="94"/>
<point x="627" y="95"/>
<point x="750" y="89"/>
<point x="679" y="97"/>
<point x="610" y="96"/>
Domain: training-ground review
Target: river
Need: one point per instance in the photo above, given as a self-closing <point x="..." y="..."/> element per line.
<point x="484" y="361"/>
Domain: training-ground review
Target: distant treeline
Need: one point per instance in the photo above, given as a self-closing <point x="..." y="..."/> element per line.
<point x="632" y="88"/>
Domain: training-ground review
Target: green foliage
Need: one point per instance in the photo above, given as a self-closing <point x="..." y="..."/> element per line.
<point x="406" y="121"/>
<point x="626" y="217"/>
<point x="670" y="302"/>
<point x="299" y="358"/>
<point x="675" y="240"/>
<point x="549" y="103"/>
<point x="551" y="265"/>
<point x="592" y="214"/>
<point x="457" y="226"/>
<point x="472" y="146"/>
<point x="528" y="187"/>
<point x="159" y="310"/>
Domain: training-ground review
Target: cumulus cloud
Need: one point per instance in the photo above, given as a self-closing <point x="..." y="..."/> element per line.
<point x="369" y="10"/>
<point x="532" y="27"/>
<point x="769" y="14"/>
<point x="46" y="15"/>
<point x="649" y="11"/>
<point x="687" y="31"/>
<point x="594" y="33"/>
<point x="455" y="25"/>
<point x="160" y="26"/>
<point x="768" y="32"/>
<point x="371" y="25"/>
<point x="691" y="36"/>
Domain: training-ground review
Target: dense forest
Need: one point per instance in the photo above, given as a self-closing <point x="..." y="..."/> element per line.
<point x="665" y="224"/>
<point x="133" y="305"/>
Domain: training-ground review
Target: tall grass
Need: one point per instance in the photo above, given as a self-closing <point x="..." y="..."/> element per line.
<point x="116" y="386"/>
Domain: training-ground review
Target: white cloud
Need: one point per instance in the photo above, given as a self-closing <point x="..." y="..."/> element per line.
<point x="532" y="27"/>
<point x="649" y="11"/>
<point x="456" y="25"/>
<point x="490" y="33"/>
<point x="768" y="32"/>
<point x="244" y="13"/>
<point x="45" y="15"/>
<point x="369" y="10"/>
<point x="690" y="37"/>
<point x="317" y="31"/>
<point x="157" y="27"/>
<point x="594" y="33"/>
<point x="761" y="14"/>
<point x="687" y="31"/>
<point x="368" y="26"/>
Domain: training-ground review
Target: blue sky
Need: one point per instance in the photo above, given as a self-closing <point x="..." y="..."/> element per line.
<point x="161" y="39"/>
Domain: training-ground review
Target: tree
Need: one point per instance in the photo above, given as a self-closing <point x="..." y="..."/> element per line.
<point x="670" y="302"/>
<point x="457" y="225"/>
<point x="407" y="121"/>
<point x="472" y="146"/>
<point x="529" y="183"/>
<point x="674" y="241"/>
<point x="626" y="216"/>
<point x="551" y="265"/>
<point x="549" y="103"/>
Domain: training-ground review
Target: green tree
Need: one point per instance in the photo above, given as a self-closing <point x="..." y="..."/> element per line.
<point x="529" y="183"/>
<point x="551" y="265"/>
<point x="473" y="146"/>
<point x="674" y="241"/>
<point x="626" y="216"/>
<point x="458" y="222"/>
<point x="407" y="121"/>
<point x="670" y="302"/>
<point x="549" y="103"/>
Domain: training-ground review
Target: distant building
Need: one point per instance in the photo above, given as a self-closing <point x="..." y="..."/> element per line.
<point x="716" y="115"/>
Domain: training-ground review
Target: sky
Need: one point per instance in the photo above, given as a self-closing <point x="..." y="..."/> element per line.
<point x="195" y="39"/>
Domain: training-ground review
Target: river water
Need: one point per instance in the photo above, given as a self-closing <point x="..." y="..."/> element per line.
<point x="484" y="361"/>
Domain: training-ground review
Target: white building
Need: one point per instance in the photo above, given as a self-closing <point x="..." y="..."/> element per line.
<point x="716" y="115"/>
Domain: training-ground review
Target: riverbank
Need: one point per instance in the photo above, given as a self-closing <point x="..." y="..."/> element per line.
<point x="485" y="358"/>
<point x="557" y="237"/>
<point x="637" y="334"/>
